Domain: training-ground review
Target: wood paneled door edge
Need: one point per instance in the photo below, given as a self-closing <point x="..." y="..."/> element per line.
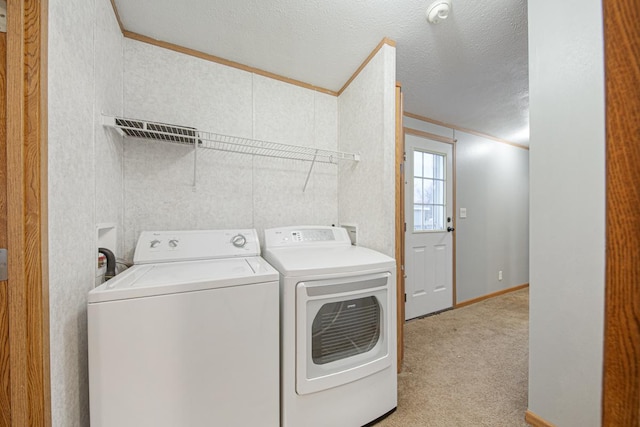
<point x="27" y="212"/>
<point x="621" y="374"/>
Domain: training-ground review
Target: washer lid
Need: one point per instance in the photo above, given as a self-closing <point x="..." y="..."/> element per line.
<point x="296" y="262"/>
<point x="169" y="278"/>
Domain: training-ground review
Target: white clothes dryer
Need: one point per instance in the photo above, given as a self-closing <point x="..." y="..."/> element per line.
<point x="188" y="336"/>
<point x="338" y="328"/>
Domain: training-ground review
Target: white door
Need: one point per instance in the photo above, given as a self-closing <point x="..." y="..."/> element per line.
<point x="429" y="220"/>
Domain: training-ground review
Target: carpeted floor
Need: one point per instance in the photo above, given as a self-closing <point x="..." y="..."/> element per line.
<point x="466" y="367"/>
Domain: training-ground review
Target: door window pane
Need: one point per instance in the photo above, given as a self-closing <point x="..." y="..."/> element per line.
<point x="417" y="191"/>
<point x="429" y="184"/>
<point x="428" y="165"/>
<point x="438" y="167"/>
<point x="428" y="191"/>
<point x="438" y="192"/>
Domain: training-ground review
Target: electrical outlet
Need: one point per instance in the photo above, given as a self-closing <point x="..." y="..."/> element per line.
<point x="500" y="275"/>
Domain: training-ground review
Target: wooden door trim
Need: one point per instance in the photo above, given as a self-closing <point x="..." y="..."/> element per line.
<point x="621" y="375"/>
<point x="27" y="212"/>
<point x="462" y="129"/>
<point x="399" y="226"/>
<point x="5" y="391"/>
<point x="429" y="135"/>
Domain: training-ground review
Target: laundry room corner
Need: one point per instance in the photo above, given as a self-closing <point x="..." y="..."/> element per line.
<point x="166" y="189"/>
<point x="366" y="111"/>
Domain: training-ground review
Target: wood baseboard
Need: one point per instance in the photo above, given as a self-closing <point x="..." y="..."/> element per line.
<point x="491" y="295"/>
<point x="535" y="420"/>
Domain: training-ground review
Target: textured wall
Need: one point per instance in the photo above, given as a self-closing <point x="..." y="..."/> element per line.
<point x="85" y="77"/>
<point x="366" y="191"/>
<point x="108" y="50"/>
<point x="231" y="190"/>
<point x="492" y="182"/>
<point x="567" y="211"/>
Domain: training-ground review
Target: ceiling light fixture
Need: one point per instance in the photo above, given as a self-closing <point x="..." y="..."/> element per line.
<point x="438" y="11"/>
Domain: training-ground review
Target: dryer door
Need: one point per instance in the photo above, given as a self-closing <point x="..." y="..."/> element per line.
<point x="342" y="331"/>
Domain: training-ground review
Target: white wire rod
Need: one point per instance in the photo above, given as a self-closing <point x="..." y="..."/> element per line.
<point x="274" y="156"/>
<point x="285" y="150"/>
<point x="209" y="140"/>
<point x="273" y="151"/>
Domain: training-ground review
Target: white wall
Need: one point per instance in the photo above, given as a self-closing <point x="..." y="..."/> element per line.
<point x="85" y="77"/>
<point x="366" y="193"/>
<point x="492" y="183"/>
<point x="232" y="190"/>
<point x="567" y="211"/>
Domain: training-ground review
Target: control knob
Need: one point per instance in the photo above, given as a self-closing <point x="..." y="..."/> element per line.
<point x="239" y="241"/>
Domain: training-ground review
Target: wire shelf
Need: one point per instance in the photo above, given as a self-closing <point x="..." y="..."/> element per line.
<point x="214" y="141"/>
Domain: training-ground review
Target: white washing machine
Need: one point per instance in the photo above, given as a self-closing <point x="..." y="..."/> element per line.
<point x="188" y="336"/>
<point x="338" y="333"/>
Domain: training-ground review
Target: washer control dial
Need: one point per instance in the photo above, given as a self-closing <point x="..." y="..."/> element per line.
<point x="239" y="241"/>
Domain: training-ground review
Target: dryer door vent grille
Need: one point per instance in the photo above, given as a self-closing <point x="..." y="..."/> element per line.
<point x="344" y="329"/>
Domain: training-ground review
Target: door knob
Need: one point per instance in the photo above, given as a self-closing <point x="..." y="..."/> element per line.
<point x="450" y="229"/>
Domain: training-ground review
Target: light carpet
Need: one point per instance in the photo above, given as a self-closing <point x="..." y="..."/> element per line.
<point x="466" y="367"/>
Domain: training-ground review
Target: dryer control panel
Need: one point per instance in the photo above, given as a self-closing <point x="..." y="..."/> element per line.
<point x="306" y="236"/>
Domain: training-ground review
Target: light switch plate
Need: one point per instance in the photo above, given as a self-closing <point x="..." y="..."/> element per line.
<point x="463" y="212"/>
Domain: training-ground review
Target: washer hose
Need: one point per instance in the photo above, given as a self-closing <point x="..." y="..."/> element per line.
<point x="111" y="263"/>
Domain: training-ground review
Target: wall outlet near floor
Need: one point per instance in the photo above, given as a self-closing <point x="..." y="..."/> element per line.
<point x="500" y="275"/>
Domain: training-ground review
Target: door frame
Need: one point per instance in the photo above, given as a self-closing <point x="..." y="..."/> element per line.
<point x="621" y="371"/>
<point x="399" y="250"/>
<point x="27" y="243"/>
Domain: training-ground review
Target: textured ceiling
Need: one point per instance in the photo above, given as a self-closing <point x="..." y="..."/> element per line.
<point x="470" y="70"/>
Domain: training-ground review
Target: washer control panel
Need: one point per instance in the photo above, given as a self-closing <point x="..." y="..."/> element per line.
<point x="171" y="246"/>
